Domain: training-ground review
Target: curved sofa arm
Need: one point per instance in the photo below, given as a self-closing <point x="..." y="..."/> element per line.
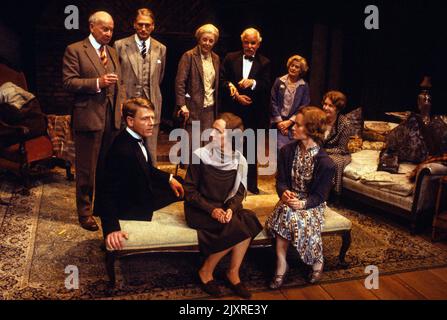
<point x="434" y="169"/>
<point x="425" y="186"/>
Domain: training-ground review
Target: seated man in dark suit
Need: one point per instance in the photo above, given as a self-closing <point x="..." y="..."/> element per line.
<point x="133" y="188"/>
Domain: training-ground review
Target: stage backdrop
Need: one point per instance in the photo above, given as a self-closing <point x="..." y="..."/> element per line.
<point x="379" y="70"/>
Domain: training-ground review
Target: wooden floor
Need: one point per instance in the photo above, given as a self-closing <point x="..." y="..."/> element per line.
<point x="420" y="285"/>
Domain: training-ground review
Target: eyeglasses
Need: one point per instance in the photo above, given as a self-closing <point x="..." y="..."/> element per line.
<point x="144" y="25"/>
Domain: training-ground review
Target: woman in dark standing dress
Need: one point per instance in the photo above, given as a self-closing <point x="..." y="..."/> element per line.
<point x="214" y="191"/>
<point x="337" y="134"/>
<point x="304" y="179"/>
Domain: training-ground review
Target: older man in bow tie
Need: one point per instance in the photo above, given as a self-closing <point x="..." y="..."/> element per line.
<point x="246" y="84"/>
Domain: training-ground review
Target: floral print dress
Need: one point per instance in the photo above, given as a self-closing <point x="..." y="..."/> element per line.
<point x="302" y="227"/>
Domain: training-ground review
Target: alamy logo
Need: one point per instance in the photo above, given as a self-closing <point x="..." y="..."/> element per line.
<point x="72" y="280"/>
<point x="372" y="281"/>
<point x="72" y="20"/>
<point x="372" y="20"/>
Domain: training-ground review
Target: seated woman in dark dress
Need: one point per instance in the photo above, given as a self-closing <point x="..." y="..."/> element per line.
<point x="214" y="190"/>
<point x="303" y="182"/>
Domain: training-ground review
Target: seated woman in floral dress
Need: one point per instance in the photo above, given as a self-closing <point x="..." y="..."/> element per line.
<point x="303" y="183"/>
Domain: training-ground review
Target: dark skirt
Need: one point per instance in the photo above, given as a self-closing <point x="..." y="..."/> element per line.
<point x="214" y="236"/>
<point x="341" y="161"/>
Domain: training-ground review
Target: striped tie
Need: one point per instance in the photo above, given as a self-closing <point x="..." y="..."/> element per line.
<point x="103" y="56"/>
<point x="143" y="49"/>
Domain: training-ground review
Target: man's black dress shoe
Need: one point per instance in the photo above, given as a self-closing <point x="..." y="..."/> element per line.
<point x="88" y="223"/>
<point x="239" y="289"/>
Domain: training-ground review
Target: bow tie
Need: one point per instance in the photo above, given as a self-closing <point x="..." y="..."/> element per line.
<point x="249" y="58"/>
<point x="138" y="140"/>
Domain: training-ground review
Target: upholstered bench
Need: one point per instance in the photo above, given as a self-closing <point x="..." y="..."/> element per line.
<point x="168" y="232"/>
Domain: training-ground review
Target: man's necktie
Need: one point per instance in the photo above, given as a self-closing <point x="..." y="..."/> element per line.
<point x="141" y="142"/>
<point x="143" y="49"/>
<point x="249" y="58"/>
<point x="103" y="56"/>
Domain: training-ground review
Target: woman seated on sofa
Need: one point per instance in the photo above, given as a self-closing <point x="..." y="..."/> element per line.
<point x="336" y="136"/>
<point x="304" y="180"/>
<point x="288" y="94"/>
<point x="214" y="190"/>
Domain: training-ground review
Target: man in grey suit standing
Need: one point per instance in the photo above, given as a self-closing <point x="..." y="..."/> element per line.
<point x="92" y="72"/>
<point x="142" y="61"/>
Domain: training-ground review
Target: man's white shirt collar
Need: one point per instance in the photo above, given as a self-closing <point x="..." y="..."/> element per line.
<point x="138" y="41"/>
<point x="133" y="133"/>
<point x="140" y="142"/>
<point x="94" y="43"/>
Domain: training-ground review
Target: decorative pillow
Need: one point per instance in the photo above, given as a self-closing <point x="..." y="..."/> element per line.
<point x="14" y="95"/>
<point x="377" y="130"/>
<point x="356" y="120"/>
<point x="355" y="144"/>
<point x="388" y="162"/>
<point x="373" y="145"/>
<point x="407" y="140"/>
<point x="436" y="135"/>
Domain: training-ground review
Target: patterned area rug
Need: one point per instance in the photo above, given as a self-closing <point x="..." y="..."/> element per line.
<point x="40" y="238"/>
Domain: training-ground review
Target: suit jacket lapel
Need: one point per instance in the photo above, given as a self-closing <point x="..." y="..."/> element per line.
<point x="142" y="160"/>
<point x="216" y="69"/>
<point x="198" y="62"/>
<point x="254" y="68"/>
<point x="153" y="56"/>
<point x="93" y="56"/>
<point x="238" y="67"/>
<point x="132" y="52"/>
<point x="112" y="58"/>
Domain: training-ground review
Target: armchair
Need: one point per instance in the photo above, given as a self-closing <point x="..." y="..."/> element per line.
<point x="24" y="141"/>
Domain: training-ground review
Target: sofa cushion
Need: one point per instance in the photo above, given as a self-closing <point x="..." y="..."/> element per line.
<point x="168" y="227"/>
<point x="362" y="162"/>
<point x="381" y="195"/>
<point x="363" y="167"/>
<point x="395" y="183"/>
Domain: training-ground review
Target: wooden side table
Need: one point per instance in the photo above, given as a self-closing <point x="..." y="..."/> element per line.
<point x="440" y="218"/>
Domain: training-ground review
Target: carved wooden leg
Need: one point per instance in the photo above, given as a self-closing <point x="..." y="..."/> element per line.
<point x="70" y="176"/>
<point x="414" y="227"/>
<point x="24" y="170"/>
<point x="346" y="243"/>
<point x="25" y="175"/>
<point x="110" y="267"/>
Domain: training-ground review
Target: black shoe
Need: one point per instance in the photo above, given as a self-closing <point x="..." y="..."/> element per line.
<point x="88" y="223"/>
<point x="212" y="288"/>
<point x="239" y="289"/>
<point x="254" y="190"/>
